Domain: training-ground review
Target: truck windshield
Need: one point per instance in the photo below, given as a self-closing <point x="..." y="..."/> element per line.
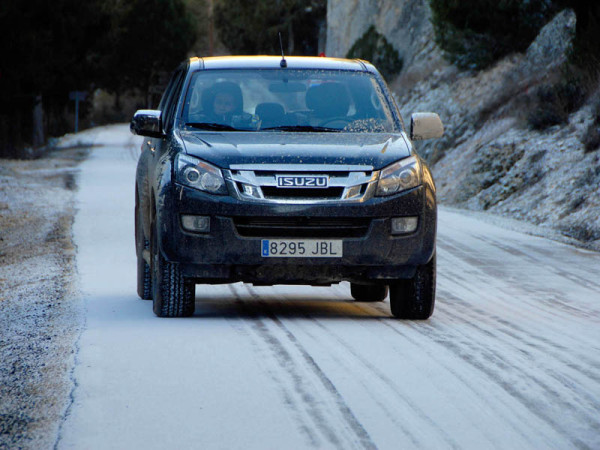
<point x="279" y="100"/>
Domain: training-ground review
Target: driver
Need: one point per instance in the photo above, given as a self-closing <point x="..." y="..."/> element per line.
<point x="222" y="101"/>
<point x="223" y="104"/>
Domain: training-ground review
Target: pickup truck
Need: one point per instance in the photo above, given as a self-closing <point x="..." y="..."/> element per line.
<point x="266" y="170"/>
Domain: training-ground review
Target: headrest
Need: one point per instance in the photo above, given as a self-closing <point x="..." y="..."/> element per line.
<point x="328" y="99"/>
<point x="269" y="110"/>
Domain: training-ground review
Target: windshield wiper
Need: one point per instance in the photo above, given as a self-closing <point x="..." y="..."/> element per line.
<point x="301" y="128"/>
<point x="211" y="126"/>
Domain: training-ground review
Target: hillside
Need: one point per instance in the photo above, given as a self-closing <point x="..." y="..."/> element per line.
<point x="489" y="159"/>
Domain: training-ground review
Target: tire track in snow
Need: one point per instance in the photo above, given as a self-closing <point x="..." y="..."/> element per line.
<point x="500" y="268"/>
<point x="569" y="396"/>
<point x="493" y="366"/>
<point x="562" y="385"/>
<point x="583" y="406"/>
<point x="540" y="299"/>
<point x="399" y="327"/>
<point x="504" y="414"/>
<point x="383" y="309"/>
<point x="517" y="300"/>
<point x="289" y="364"/>
<point x="531" y="255"/>
<point x="565" y="379"/>
<point x="353" y="424"/>
<point x="351" y="369"/>
<point x="526" y="294"/>
<point x="562" y="271"/>
<point x="552" y="349"/>
<point x="431" y="333"/>
<point x="518" y="424"/>
<point x="468" y="347"/>
<point x="516" y="343"/>
<point x="306" y="428"/>
<point x="389" y="383"/>
<point x="392" y="385"/>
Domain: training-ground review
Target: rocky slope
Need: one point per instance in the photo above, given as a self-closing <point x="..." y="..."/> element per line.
<point x="489" y="159"/>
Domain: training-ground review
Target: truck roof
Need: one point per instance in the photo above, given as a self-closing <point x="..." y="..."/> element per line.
<point x="273" y="62"/>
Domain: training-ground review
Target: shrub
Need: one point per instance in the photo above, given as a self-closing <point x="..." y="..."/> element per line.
<point x="373" y="46"/>
<point x="552" y="103"/>
<point x="591" y="137"/>
<point x="475" y="33"/>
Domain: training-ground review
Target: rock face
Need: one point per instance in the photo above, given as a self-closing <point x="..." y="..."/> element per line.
<point x="553" y="42"/>
<point x="405" y="24"/>
<point x="488" y="159"/>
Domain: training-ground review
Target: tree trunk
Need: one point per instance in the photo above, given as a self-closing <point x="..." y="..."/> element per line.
<point x="290" y="39"/>
<point x="322" y="40"/>
<point x="38" y="137"/>
<point x="117" y="104"/>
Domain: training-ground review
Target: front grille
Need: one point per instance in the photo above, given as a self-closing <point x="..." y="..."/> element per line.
<point x="275" y="193"/>
<point x="346" y="183"/>
<point x="302" y="227"/>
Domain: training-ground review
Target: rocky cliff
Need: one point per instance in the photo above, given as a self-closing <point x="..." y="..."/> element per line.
<point x="489" y="159"/>
<point x="406" y="24"/>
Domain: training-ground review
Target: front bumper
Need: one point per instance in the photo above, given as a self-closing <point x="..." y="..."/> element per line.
<point x="223" y="255"/>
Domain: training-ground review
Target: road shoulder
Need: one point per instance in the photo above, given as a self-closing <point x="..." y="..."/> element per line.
<point x="41" y="313"/>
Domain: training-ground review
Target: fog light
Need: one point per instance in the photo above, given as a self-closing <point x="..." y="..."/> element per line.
<point x="404" y="225"/>
<point x="197" y="224"/>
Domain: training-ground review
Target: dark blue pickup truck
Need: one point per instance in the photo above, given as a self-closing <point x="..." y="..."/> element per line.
<point x="284" y="171"/>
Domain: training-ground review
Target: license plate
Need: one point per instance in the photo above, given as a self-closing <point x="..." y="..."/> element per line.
<point x="301" y="248"/>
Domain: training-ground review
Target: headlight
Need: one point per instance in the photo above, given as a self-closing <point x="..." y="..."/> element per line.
<point x="400" y="176"/>
<point x="198" y="174"/>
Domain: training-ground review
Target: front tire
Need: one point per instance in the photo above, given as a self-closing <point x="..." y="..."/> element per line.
<point x="368" y="293"/>
<point x="173" y="295"/>
<point x="415" y="298"/>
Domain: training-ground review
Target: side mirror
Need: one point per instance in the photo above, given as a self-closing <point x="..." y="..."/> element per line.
<point x="425" y="126"/>
<point x="147" y="122"/>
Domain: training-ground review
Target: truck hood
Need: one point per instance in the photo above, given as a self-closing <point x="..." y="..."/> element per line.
<point x="224" y="149"/>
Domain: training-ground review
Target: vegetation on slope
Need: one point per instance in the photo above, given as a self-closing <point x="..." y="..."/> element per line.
<point x="374" y="47"/>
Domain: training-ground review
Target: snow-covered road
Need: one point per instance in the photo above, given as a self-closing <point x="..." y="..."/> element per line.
<point x="510" y="358"/>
